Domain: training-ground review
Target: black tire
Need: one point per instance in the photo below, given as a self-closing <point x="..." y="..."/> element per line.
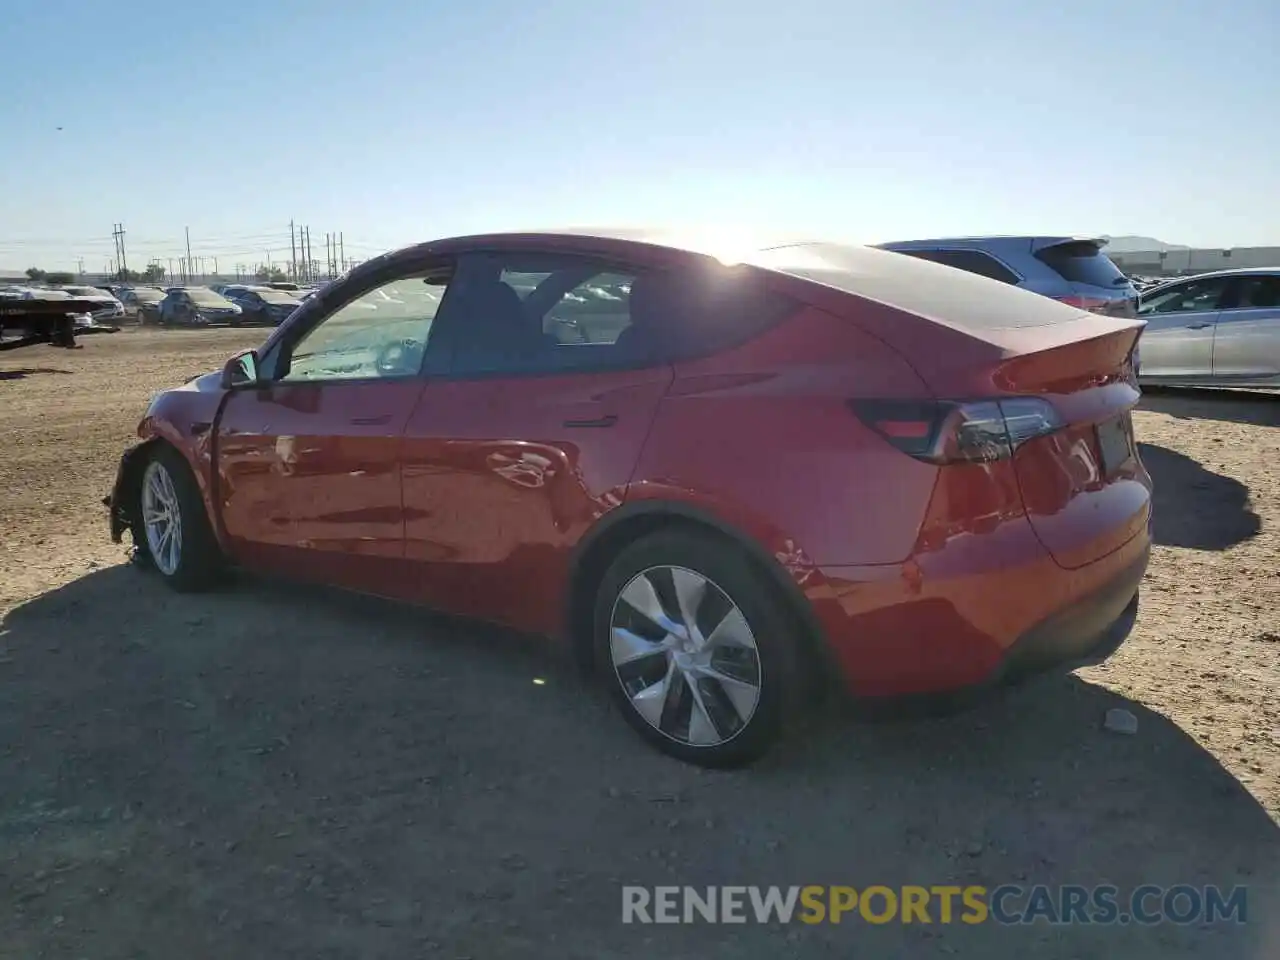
<point x="777" y="667"/>
<point x="199" y="561"/>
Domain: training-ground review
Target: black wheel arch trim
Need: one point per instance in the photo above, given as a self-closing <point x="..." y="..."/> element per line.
<point x="120" y="502"/>
<point x="578" y="620"/>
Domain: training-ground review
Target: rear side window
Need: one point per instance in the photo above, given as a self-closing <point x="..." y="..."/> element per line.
<point x="970" y="261"/>
<point x="700" y="311"/>
<point x="1259" y="293"/>
<point x="1082" y="262"/>
<point x="596" y="309"/>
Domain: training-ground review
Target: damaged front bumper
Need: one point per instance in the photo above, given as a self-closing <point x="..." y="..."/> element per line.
<point x="122" y="501"/>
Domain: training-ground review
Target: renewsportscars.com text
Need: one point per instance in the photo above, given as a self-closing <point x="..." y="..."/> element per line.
<point x="937" y="904"/>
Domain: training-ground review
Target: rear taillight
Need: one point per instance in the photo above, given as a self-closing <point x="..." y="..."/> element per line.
<point x="1126" y="307"/>
<point x="946" y="431"/>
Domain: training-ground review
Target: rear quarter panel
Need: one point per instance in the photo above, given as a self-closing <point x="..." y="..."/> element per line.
<point x="763" y="437"/>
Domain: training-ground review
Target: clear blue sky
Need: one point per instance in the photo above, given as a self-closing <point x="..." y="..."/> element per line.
<point x="396" y="122"/>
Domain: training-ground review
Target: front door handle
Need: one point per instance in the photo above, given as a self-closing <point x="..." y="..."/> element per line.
<point x="1198" y="326"/>
<point x="370" y="421"/>
<point x="605" y="421"/>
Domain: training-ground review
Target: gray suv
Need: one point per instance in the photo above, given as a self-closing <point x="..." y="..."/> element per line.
<point x="1071" y="269"/>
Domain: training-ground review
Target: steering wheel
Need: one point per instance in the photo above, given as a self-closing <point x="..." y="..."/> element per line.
<point x="573" y="325"/>
<point x="399" y="357"/>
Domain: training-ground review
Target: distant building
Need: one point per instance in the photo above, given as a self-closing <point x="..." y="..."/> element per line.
<point x="1179" y="263"/>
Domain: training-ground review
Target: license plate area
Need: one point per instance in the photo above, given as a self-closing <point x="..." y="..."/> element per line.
<point x="1114" y="443"/>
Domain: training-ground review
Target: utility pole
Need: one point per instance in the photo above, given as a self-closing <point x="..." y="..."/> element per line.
<point x="80" y="263"/>
<point x="188" y="270"/>
<point x="342" y="248"/>
<point x="306" y="247"/>
<point x="170" y="274"/>
<point x="117" y="234"/>
<point x="328" y="254"/>
<point x="293" y="255"/>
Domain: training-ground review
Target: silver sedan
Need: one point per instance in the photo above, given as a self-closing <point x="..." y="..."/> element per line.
<point x="1215" y="330"/>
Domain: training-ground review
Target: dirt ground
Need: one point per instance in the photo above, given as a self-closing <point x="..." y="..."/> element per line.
<point x="276" y="771"/>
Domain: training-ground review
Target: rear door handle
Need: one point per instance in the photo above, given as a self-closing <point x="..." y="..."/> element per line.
<point x="371" y="421"/>
<point x="605" y="421"/>
<point x="1198" y="326"/>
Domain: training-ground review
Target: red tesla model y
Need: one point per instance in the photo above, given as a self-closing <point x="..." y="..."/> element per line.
<point x="715" y="477"/>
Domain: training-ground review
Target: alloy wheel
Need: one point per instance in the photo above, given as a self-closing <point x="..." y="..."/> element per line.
<point x="685" y="656"/>
<point x="162" y="518"/>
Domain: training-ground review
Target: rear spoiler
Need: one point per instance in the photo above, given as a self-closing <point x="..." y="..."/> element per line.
<point x="1045" y="243"/>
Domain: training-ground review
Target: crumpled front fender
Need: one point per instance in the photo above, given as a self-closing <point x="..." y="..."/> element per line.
<point x="121" y="503"/>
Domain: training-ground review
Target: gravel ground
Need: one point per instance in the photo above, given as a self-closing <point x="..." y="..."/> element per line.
<point x="277" y="771"/>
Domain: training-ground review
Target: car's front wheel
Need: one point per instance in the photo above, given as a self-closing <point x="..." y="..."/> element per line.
<point x="697" y="648"/>
<point x="172" y="526"/>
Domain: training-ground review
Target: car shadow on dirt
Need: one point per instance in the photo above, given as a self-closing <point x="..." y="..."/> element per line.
<point x="1195" y="507"/>
<point x="282" y="771"/>
<point x="1231" y="406"/>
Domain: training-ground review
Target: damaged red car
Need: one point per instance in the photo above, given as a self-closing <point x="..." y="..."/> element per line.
<point x="725" y="481"/>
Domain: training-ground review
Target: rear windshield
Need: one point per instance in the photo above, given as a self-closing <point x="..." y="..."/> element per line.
<point x="1083" y="262"/>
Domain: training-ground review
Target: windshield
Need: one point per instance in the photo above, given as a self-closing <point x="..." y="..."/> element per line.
<point x="277" y="296"/>
<point x="208" y="297"/>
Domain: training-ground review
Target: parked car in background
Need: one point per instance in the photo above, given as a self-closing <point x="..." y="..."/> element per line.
<point x="191" y="306"/>
<point x="142" y="303"/>
<point x="262" y="304"/>
<point x="1219" y="329"/>
<point x="1074" y="270"/>
<point x="719" y="483"/>
<point x="111" y="309"/>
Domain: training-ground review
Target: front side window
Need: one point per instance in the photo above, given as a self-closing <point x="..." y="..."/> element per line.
<point x="1185" y="298"/>
<point x="382" y="333"/>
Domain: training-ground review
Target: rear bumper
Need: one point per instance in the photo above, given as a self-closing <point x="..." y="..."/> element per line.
<point x="1083" y="634"/>
<point x="973" y="616"/>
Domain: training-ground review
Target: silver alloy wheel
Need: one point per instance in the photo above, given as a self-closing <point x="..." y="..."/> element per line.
<point x="161" y="518"/>
<point x="685" y="656"/>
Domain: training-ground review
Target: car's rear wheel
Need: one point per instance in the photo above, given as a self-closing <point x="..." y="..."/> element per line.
<point x="172" y="525"/>
<point x="696" y="648"/>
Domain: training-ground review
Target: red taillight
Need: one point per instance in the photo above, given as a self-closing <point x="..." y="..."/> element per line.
<point x="948" y="431"/>
<point x="1120" y="307"/>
